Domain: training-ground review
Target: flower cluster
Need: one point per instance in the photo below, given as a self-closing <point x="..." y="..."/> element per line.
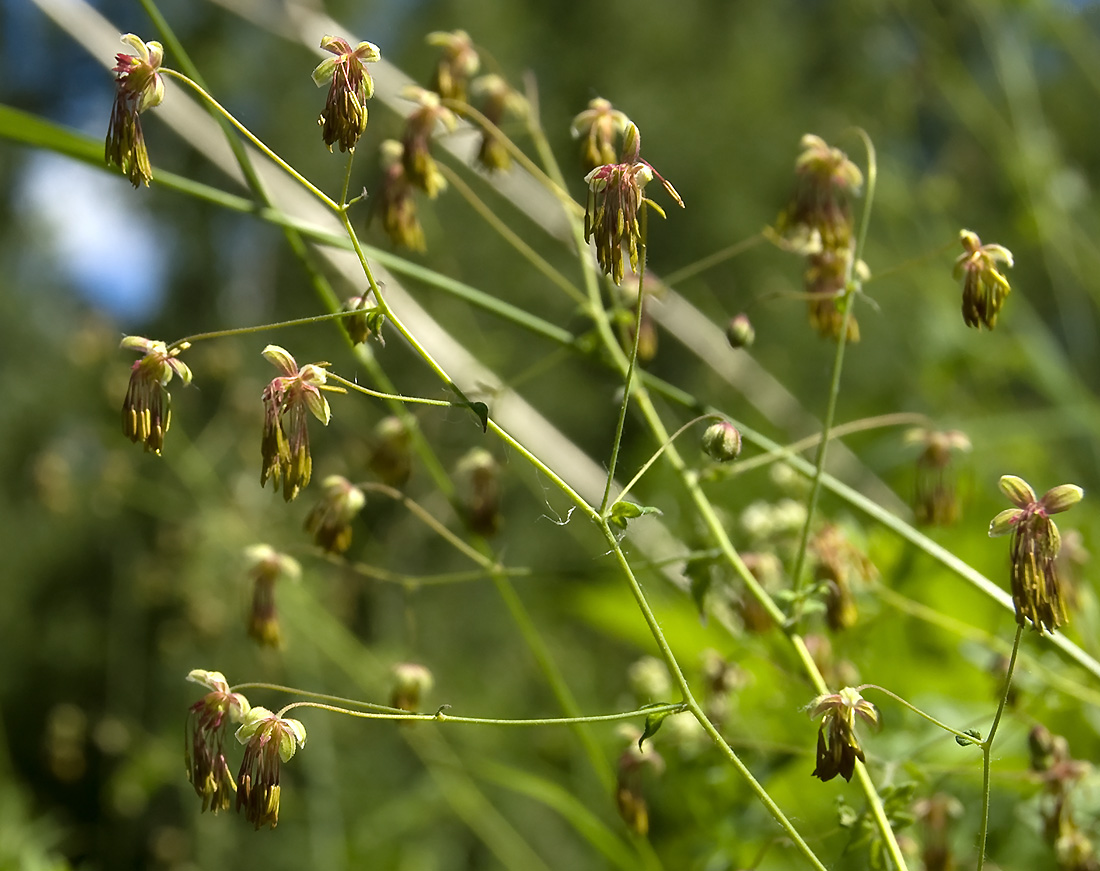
<point x="984" y="286"/>
<point x="837" y="745"/>
<point x="350" y="86"/>
<point x="288" y="400"/>
<point x="138" y="86"/>
<point x="597" y="127"/>
<point x="147" y="408"/>
<point x="1036" y="590"/>
<point x="269" y="741"/>
<point x="1062" y="776"/>
<point x="204" y="750"/>
<point x="817" y="223"/>
<point x="615" y="195"/>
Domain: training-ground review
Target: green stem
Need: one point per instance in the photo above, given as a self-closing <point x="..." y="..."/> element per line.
<point x="987" y="747"/>
<point x="347" y="180"/>
<point x="628" y="381"/>
<point x="962" y="736"/>
<point x="657" y="454"/>
<point x="710" y="260"/>
<point x="395" y="397"/>
<point x="262" y="328"/>
<point x="255" y="140"/>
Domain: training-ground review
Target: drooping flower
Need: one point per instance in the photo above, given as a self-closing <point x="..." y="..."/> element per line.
<point x="266" y="566"/>
<point x="477" y="479"/>
<point x="826" y="281"/>
<point x="935" y="500"/>
<point x="330" y="520"/>
<point x="350" y="86"/>
<point x="498" y="98"/>
<point x="984" y="286"/>
<point x="147" y="408"/>
<point x="420" y="166"/>
<point x="598" y="126"/>
<point x="393" y="202"/>
<point x="837" y="745"/>
<point x="204" y="750"/>
<point x="615" y="194"/>
<point x="138" y="86"/>
<point x="411" y="682"/>
<point x="367" y="320"/>
<point x="722" y="441"/>
<point x="1036" y="590"/>
<point x="269" y="741"/>
<point x="629" y="796"/>
<point x="818" y="216"/>
<point x="835" y="558"/>
<point x="287" y="400"/>
<point x="391" y="456"/>
<point x="457" y="63"/>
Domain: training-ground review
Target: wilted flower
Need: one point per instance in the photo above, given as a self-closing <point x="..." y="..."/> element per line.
<point x="350" y="86"/>
<point x="147" y="409"/>
<point x="1036" y="591"/>
<point x="837" y="745"/>
<point x="391" y="458"/>
<point x="265" y="567"/>
<point x="366" y="321"/>
<point x="615" y="194"/>
<point x="138" y="86"/>
<point x="411" y="682"/>
<point x="287" y="399"/>
<point x="393" y="200"/>
<point x="204" y="749"/>
<point x="498" y="98"/>
<point x="598" y="126"/>
<point x="330" y="520"/>
<point x="420" y="166"/>
<point x="458" y="62"/>
<point x="984" y="286"/>
<point x="477" y="477"/>
<point x="722" y="441"/>
<point x="269" y="741"/>
<point x="818" y="216"/>
<point x="935" y="498"/>
<point x="629" y="797"/>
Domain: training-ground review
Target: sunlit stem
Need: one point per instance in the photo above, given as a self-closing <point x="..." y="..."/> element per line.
<point x="396" y="397"/>
<point x="962" y="736"/>
<point x="657" y="454"/>
<point x="261" y="328"/>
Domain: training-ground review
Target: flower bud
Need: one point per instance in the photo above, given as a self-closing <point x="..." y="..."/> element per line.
<point x="411" y="682"/>
<point x="722" y="441"/>
<point x="739" y="332"/>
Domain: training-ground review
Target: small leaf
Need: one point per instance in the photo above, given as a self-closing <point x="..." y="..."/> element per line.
<point x="652" y="724"/>
<point x="621" y="512"/>
<point x="973" y="733"/>
<point x="481" y="410"/>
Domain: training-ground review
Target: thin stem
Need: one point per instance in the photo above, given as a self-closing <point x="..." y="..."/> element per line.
<point x="970" y="739"/>
<point x="987" y="747"/>
<point x="262" y="328"/>
<point x="441" y="717"/>
<point x="511" y="237"/>
<point x="255" y="140"/>
<point x="347" y="180"/>
<point x="714" y="259"/>
<point x="336" y="700"/>
<point x="628" y="382"/>
<point x="661" y="450"/>
<point x="395" y="397"/>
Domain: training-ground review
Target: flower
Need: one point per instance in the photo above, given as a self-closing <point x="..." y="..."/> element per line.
<point x="1036" y="590"/>
<point x="498" y="98"/>
<point x="722" y="441"/>
<point x="420" y="167"/>
<point x="391" y="458"/>
<point x="740" y="332"/>
<point x="366" y="321"/>
<point x="935" y="499"/>
<point x="629" y="797"/>
<point x="411" y="681"/>
<point x="826" y="280"/>
<point x="837" y="745"/>
<point x="330" y="520"/>
<point x="615" y="193"/>
<point x="138" y="86"/>
<point x="350" y="86"/>
<point x="394" y="200"/>
<point x="204" y="749"/>
<point x="285" y="447"/>
<point x="269" y="741"/>
<point x="147" y="408"/>
<point x="818" y="216"/>
<point x="598" y="126"/>
<point x="477" y="479"/>
<point x="984" y="286"/>
<point x="458" y="63"/>
<point x="265" y="567"/>
<point x="834" y="559"/>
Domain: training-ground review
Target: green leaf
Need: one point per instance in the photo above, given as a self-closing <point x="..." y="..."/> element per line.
<point x="622" y="512"/>
<point x="481" y="411"/>
<point x="653" y="723"/>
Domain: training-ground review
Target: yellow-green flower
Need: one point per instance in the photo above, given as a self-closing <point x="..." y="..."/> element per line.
<point x="837" y="745"/>
<point x="984" y="286"/>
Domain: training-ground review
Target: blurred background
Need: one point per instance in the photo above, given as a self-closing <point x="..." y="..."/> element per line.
<point x="124" y="570"/>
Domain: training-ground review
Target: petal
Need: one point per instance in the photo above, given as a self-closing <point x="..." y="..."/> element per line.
<point x="1062" y="498"/>
<point x="1004" y="522"/>
<point x="155" y="54"/>
<point x="214" y="680"/>
<point x="253" y="720"/>
<point x="292" y="736"/>
<point x="318" y="405"/>
<point x="281" y="358"/>
<point x="140" y="343"/>
<point x="182" y="370"/>
<point x="135" y="42"/>
<point x="335" y="44"/>
<point x="367" y="52"/>
<point x="1017" y="490"/>
<point x="322" y="73"/>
